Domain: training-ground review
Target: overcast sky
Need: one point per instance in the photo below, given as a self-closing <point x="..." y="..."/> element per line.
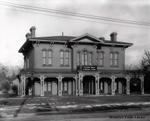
<point x="15" y="23"/>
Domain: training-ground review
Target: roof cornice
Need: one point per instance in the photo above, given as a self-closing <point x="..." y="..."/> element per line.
<point x="74" y="40"/>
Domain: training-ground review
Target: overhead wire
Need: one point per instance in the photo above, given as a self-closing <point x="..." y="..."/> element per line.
<point x="79" y="15"/>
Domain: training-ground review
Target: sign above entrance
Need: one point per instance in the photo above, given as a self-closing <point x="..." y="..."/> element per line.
<point x="89" y="68"/>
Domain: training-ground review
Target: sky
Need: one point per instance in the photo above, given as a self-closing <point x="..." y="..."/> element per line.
<point x="15" y="23"/>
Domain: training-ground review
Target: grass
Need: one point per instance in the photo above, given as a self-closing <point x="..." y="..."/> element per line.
<point x="49" y="104"/>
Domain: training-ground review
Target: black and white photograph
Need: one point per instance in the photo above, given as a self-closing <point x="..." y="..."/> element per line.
<point x="74" y="60"/>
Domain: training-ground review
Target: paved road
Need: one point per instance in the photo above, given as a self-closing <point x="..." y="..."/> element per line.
<point x="142" y="114"/>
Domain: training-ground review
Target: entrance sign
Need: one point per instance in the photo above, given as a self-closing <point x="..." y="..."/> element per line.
<point x="89" y="68"/>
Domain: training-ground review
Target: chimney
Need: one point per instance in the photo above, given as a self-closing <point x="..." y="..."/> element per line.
<point x="102" y="38"/>
<point x="113" y="36"/>
<point x="32" y="31"/>
<point x="62" y="33"/>
<point x="28" y="35"/>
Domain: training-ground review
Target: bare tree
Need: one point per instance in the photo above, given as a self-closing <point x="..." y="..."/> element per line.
<point x="145" y="62"/>
<point x="132" y="67"/>
<point x="7" y="75"/>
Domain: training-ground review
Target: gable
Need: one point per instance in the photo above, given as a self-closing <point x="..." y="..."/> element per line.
<point x="86" y="38"/>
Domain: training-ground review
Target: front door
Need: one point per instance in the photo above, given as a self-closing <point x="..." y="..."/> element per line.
<point x="37" y="89"/>
<point x="89" y="85"/>
<point x="54" y="88"/>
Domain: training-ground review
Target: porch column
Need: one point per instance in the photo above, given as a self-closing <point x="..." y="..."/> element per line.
<point x="76" y="85"/>
<point x="23" y="85"/>
<point x="42" y="84"/>
<point x="97" y="84"/>
<point x="80" y="84"/>
<point x="60" y="85"/>
<point x="142" y="84"/>
<point x="113" y="85"/>
<point x="19" y="88"/>
<point x="128" y="85"/>
<point x="32" y="80"/>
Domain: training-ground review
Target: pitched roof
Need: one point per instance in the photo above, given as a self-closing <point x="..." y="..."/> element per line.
<point x="46" y="39"/>
<point x="63" y="39"/>
<point x="109" y="42"/>
<point x="55" y="38"/>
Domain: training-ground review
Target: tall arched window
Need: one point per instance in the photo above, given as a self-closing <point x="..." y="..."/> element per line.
<point x="82" y="58"/>
<point x="50" y="57"/>
<point x="66" y="58"/>
<point x="90" y="58"/>
<point x="61" y="57"/>
<point x="44" y="56"/>
<point x="101" y="58"/>
<point x="85" y="58"/>
<point x="114" y="59"/>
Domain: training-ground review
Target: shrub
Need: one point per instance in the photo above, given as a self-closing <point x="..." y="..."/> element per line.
<point x="5" y="86"/>
<point x="15" y="89"/>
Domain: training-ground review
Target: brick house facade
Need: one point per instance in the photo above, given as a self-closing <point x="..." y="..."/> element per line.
<point x="68" y="65"/>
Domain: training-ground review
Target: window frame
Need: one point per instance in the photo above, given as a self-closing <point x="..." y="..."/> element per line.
<point x="101" y="58"/>
<point x="50" y="57"/>
<point x="66" y="58"/>
<point x="44" y="51"/>
<point x="82" y="58"/>
<point x="85" y="57"/>
<point x="90" y="62"/>
<point x="61" y="57"/>
<point x="114" y="59"/>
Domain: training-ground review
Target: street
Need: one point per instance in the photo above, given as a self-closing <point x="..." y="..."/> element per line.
<point x="137" y="114"/>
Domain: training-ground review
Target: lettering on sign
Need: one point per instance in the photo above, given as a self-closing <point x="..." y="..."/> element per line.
<point x="89" y="68"/>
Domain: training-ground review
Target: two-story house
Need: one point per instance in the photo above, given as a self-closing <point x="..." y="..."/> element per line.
<point x="69" y="65"/>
